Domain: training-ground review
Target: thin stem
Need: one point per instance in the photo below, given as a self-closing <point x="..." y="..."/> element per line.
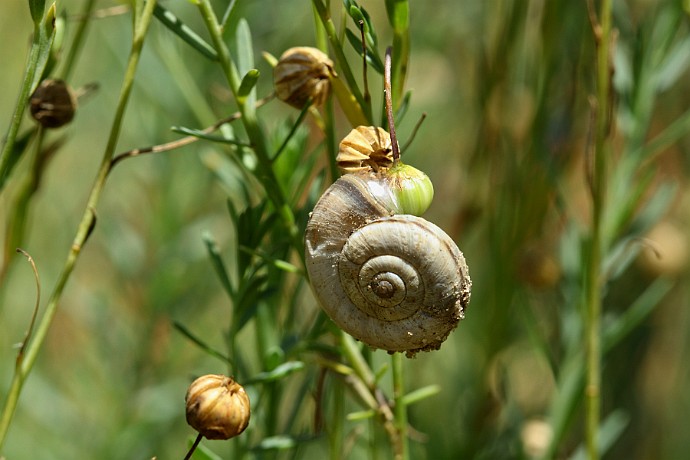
<point x="37" y="304"/>
<point x="340" y="55"/>
<point x="399" y="18"/>
<point x="414" y="133"/>
<point x="42" y="41"/>
<point x="602" y="34"/>
<point x="85" y="227"/>
<point x="402" y="449"/>
<point x="183" y="141"/>
<point x="194" y="446"/>
<point x="251" y="124"/>
<point x="78" y="41"/>
<point x="389" y="105"/>
<point x="367" y="96"/>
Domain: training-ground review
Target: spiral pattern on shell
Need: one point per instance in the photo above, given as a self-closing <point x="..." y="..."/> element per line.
<point x="395" y="282"/>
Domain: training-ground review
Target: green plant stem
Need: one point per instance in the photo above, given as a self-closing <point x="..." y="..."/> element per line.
<point x="336" y="428"/>
<point x="86" y="224"/>
<point x="78" y="41"/>
<point x="399" y="17"/>
<point x="402" y="450"/>
<point x="44" y="33"/>
<point x="20" y="209"/>
<point x="340" y="56"/>
<point x="601" y="152"/>
<point x="251" y="124"/>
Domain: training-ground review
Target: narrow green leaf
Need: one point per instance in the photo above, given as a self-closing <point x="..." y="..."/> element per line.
<point x="369" y="30"/>
<point x="245" y="54"/>
<point x="228" y="12"/>
<point x="209" y="137"/>
<point x="278" y="263"/>
<point x="674" y="65"/>
<point x="218" y="264"/>
<point x="276" y="443"/>
<point x="278" y="373"/>
<point x="404" y="105"/>
<point x="45" y="43"/>
<point x="640" y="309"/>
<point x="420" y="394"/>
<point x="248" y="83"/>
<point x="398" y="14"/>
<point x="610" y="430"/>
<point x="172" y="22"/>
<point x="38" y="57"/>
<point x="37" y="8"/>
<point x="356" y="14"/>
<point x="360" y="415"/>
<point x="203" y="345"/>
<point x="373" y="60"/>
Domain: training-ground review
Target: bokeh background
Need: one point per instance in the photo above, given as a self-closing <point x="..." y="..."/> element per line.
<point x="505" y="86"/>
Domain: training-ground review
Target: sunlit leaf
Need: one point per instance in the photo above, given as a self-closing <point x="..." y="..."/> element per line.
<point x="278" y="373"/>
<point x="172" y="22"/>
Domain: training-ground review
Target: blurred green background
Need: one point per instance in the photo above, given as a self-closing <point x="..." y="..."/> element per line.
<point x="504" y="85"/>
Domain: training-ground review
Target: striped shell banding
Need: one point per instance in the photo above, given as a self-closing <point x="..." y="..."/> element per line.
<point x="396" y="282"/>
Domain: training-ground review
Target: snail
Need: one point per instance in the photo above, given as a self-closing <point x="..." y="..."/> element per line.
<point x="387" y="277"/>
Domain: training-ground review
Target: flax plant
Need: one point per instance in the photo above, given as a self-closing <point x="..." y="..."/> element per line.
<point x="556" y="137"/>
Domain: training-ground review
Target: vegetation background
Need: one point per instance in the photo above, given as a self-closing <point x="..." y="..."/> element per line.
<point x="505" y="86"/>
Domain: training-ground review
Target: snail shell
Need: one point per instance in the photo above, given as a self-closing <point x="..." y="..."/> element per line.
<point x="395" y="282"/>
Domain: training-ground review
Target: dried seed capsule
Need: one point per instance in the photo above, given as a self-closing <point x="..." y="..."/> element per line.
<point x="53" y="103"/>
<point x="365" y="148"/>
<point x="217" y="407"/>
<point x="303" y="73"/>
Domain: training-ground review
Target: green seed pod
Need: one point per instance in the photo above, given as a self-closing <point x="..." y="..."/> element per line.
<point x="411" y="188"/>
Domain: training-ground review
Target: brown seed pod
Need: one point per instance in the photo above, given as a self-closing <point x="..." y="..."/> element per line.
<point x="217" y="407"/>
<point x="53" y="103"/>
<point x="303" y="73"/>
<point x="365" y="148"/>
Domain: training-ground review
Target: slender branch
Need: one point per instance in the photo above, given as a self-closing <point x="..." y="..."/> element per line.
<point x="251" y="124"/>
<point x="340" y="55"/>
<point x="367" y="96"/>
<point x="194" y="446"/>
<point x="402" y="451"/>
<point x="601" y="28"/>
<point x="177" y="143"/>
<point x="414" y="132"/>
<point x="389" y="105"/>
<point x="27" y="337"/>
<point x="86" y="225"/>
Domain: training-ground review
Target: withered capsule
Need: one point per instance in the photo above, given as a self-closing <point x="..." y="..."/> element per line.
<point x="365" y="148"/>
<point x="303" y="73"/>
<point x="217" y="407"/>
<point x="53" y="104"/>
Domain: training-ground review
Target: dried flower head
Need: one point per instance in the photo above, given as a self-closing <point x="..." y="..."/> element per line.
<point x="217" y="407"/>
<point x="303" y="73"/>
<point x="365" y="148"/>
<point x="53" y="103"/>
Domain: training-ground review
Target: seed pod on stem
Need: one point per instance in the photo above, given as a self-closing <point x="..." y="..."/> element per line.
<point x="217" y="407"/>
<point x="303" y="73"/>
<point x="53" y="104"/>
